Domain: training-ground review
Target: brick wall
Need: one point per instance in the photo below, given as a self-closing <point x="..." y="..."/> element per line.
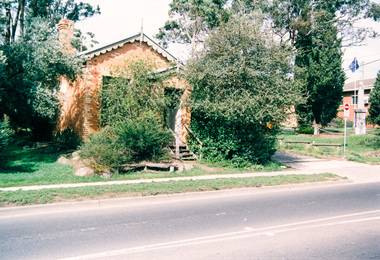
<point x="79" y="99"/>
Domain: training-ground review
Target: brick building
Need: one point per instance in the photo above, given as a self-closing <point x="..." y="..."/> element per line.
<point x="350" y="96"/>
<point x="79" y="101"/>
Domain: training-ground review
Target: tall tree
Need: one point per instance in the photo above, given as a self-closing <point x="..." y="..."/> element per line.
<point x="241" y="84"/>
<point x="317" y="30"/>
<point x="293" y="19"/>
<point x="16" y="14"/>
<point x="191" y="21"/>
<point x="319" y="53"/>
<point x="33" y="61"/>
<point x="28" y="88"/>
<point x="374" y="100"/>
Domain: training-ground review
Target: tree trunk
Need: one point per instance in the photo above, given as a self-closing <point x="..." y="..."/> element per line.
<point x="8" y="20"/>
<point x="22" y="16"/>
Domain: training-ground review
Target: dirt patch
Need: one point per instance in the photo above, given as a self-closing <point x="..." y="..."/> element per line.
<point x="330" y="135"/>
<point x="207" y="168"/>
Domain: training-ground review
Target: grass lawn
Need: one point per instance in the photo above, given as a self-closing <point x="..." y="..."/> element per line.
<point x="360" y="148"/>
<point x="16" y="198"/>
<point x="26" y="167"/>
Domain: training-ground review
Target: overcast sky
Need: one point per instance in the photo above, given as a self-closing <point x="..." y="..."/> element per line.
<point x="122" y="18"/>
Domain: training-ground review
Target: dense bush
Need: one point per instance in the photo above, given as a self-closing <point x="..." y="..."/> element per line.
<point x="337" y="122"/>
<point x="143" y="139"/>
<point x="6" y="133"/>
<point x="103" y="149"/>
<point x="126" y="142"/>
<point x="235" y="145"/>
<point x="309" y="130"/>
<point x="67" y="139"/>
<point x="241" y="86"/>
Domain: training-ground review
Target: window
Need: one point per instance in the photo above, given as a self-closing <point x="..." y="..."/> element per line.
<point x="354" y="99"/>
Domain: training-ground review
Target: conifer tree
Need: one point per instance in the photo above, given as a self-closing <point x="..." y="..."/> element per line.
<point x="320" y="54"/>
<point x="374" y="100"/>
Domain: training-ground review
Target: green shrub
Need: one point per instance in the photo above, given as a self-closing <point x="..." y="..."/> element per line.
<point x="67" y="139"/>
<point x="233" y="145"/>
<point x="143" y="139"/>
<point x="337" y="122"/>
<point x="350" y="123"/>
<point x="126" y="142"/>
<point x="306" y="130"/>
<point x="103" y="149"/>
<point x="6" y="133"/>
<point x="239" y="89"/>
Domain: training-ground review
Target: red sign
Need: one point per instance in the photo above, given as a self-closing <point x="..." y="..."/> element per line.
<point x="346" y="110"/>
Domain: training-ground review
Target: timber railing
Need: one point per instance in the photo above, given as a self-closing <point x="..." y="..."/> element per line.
<point x="195" y="137"/>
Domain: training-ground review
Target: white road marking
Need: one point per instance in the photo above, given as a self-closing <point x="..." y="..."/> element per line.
<point x="87" y="229"/>
<point x="247" y="232"/>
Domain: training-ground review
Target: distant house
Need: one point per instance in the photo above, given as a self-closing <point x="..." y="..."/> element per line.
<point x="350" y="96"/>
<point x="79" y="102"/>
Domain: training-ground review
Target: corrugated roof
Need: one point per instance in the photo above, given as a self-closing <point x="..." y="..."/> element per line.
<point x="113" y="46"/>
<point x="368" y="84"/>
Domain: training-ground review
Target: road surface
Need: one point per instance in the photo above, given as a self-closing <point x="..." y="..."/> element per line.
<point x="310" y="222"/>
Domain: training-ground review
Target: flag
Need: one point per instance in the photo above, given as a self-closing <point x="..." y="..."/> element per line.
<point x="354" y="65"/>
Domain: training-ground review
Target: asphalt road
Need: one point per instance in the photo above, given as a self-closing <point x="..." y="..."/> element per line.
<point x="313" y="222"/>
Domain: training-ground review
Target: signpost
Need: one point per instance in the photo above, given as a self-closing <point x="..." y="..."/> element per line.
<point x="346" y="110"/>
<point x="346" y="114"/>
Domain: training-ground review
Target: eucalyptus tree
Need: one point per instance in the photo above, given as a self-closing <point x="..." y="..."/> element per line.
<point x="191" y="21"/>
<point x="16" y="14"/>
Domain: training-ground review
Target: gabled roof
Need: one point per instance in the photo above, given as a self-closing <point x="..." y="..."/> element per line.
<point x="367" y="83"/>
<point x="135" y="38"/>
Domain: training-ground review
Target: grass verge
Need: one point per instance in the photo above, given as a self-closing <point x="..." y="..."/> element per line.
<point x="26" y="167"/>
<point x="360" y="148"/>
<point x="17" y="198"/>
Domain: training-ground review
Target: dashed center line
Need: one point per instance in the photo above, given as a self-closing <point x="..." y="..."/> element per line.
<point x="247" y="232"/>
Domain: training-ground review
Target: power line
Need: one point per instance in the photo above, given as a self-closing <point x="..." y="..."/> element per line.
<point x="361" y="57"/>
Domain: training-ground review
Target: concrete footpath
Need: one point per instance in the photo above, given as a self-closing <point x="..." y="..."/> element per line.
<point x="355" y="172"/>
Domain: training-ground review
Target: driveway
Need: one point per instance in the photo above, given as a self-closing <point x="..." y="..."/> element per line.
<point x="357" y="172"/>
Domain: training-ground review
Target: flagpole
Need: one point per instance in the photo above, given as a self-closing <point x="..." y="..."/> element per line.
<point x="353" y="67"/>
<point x="355" y="94"/>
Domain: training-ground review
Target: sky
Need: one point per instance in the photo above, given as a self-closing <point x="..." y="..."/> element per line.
<point x="120" y="19"/>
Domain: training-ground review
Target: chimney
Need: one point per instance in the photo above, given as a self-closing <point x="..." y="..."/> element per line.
<point x="66" y="32"/>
